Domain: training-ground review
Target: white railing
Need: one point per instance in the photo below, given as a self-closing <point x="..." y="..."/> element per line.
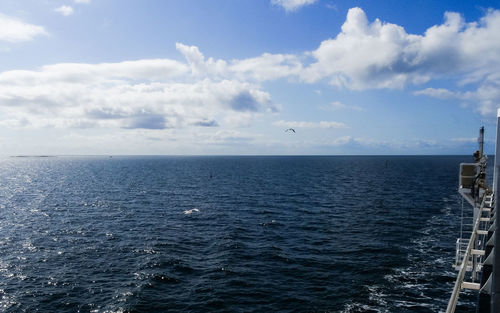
<point x="461" y="248"/>
<point x="463" y="266"/>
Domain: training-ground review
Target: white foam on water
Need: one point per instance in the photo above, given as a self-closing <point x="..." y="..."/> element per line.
<point x="357" y="307"/>
<point x="408" y="287"/>
<point x="412" y="304"/>
<point x="377" y="295"/>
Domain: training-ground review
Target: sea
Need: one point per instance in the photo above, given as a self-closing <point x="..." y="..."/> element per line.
<point x="229" y="233"/>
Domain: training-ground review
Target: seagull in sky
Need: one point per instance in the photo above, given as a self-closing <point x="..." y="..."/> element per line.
<point x="290" y="130"/>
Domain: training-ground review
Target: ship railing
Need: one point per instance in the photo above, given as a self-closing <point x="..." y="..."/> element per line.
<point x="459" y="283"/>
<point x="461" y="248"/>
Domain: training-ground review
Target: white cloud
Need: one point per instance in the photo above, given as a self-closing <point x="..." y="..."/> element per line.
<point x="150" y="69"/>
<point x="365" y="55"/>
<point x="65" y="10"/>
<point x="341" y="141"/>
<point x="292" y="5"/>
<point x="464" y="140"/>
<point x="143" y="94"/>
<point x="301" y="124"/>
<point x="440" y="93"/>
<point x="365" y="145"/>
<point x="337" y="105"/>
<point x="486" y="96"/>
<point x="332" y="6"/>
<point x="267" y="67"/>
<point x="14" y="30"/>
<point x="261" y="68"/>
<point x="360" y="145"/>
<point x="83" y="1"/>
<point x="214" y="93"/>
<point x="382" y="55"/>
<point x="227" y="137"/>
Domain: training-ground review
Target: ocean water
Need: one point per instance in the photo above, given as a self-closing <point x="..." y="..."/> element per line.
<point x="229" y="234"/>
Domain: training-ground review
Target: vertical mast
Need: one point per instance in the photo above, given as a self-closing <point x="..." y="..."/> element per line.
<point x="481" y="142"/>
<point x="497" y="153"/>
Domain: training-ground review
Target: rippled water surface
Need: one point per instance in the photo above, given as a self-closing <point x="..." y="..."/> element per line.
<point x="228" y="234"/>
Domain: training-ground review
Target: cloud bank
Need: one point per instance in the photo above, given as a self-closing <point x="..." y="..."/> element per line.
<point x="158" y="94"/>
<point x="145" y="94"/>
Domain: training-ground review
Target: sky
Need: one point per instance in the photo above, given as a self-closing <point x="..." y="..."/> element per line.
<point x="229" y="77"/>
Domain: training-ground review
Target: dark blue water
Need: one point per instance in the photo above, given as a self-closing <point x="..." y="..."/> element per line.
<point x="228" y="234"/>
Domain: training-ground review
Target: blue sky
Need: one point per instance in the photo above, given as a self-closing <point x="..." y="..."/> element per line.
<point x="229" y="76"/>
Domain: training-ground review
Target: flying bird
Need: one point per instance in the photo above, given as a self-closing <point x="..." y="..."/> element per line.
<point x="187" y="212"/>
<point x="289" y="130"/>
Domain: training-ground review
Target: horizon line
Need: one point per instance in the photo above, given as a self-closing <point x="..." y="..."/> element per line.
<point x="214" y="155"/>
